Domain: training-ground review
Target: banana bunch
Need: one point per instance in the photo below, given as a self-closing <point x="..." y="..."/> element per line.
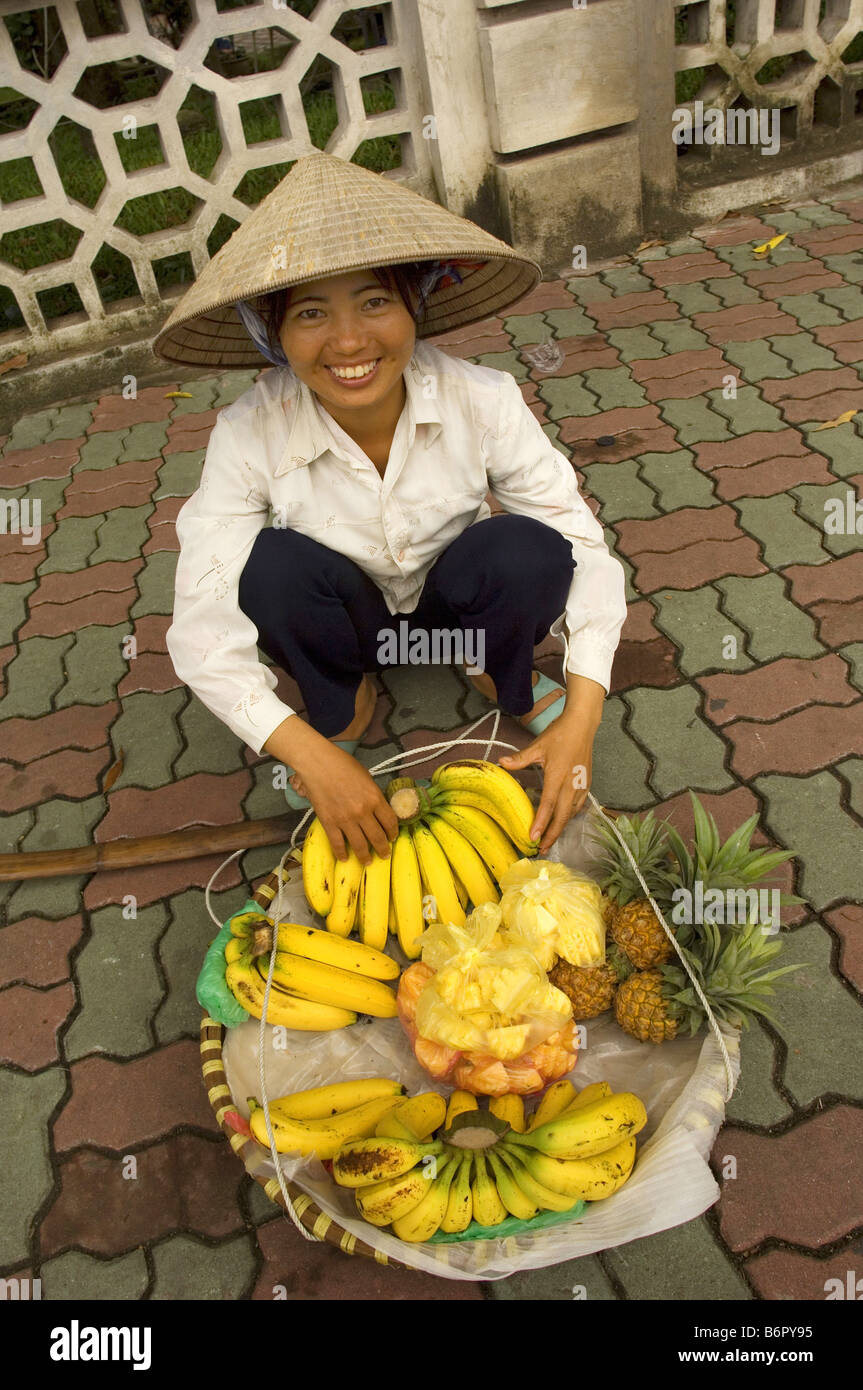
<point x="319" y="982"/>
<point x="456" y="840"/>
<point x="489" y="1165"/>
<point x="318" y="1122"/>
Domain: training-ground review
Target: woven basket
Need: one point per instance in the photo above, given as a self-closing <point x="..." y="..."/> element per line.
<point x="324" y="1227"/>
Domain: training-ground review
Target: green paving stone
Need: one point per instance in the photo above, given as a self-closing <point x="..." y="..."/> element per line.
<point x="635" y="344"/>
<point x="822" y="216"/>
<point x="553" y="432"/>
<point x="678" y="336"/>
<point x="630" y="591"/>
<point x="620" y="490"/>
<point x="804" y="354"/>
<point x="785" y="538"/>
<point x="156" y="584"/>
<point x="692" y="299"/>
<point x="118" y="983"/>
<point x="83" y="1279"/>
<point x="676" y="480"/>
<point x="852" y="770"/>
<point x="26" y="1179"/>
<point x="61" y="824"/>
<point x="565" y="396"/>
<point x="34" y="676"/>
<point x="263" y="799"/>
<point x="202" y="390"/>
<point x="181" y="953"/>
<point x="423" y="697"/>
<point x="587" y="289"/>
<point x="258" y="863"/>
<point x="804" y="814"/>
<point x="848" y="300"/>
<point x="756" y="1100"/>
<point x="147" y="732"/>
<point x="692" y="620"/>
<point x="186" y="1269"/>
<point x="231" y="385"/>
<point x="70" y="545"/>
<point x="51" y="493"/>
<point x="71" y="421"/>
<point x="683" y="245"/>
<point x="94" y="666"/>
<point x="693" y="421"/>
<point x="13" y="827"/>
<point x="787" y="221"/>
<point x="102" y="450"/>
<point x="850" y="266"/>
<point x="122" y="533"/>
<point x="685" y="751"/>
<point x="31" y="430"/>
<point x="813" y="505"/>
<point x="731" y="290"/>
<point x="13" y="609"/>
<point x="144" y="441"/>
<point x="757" y="360"/>
<point x="843" y="446"/>
<point x="651" y="253"/>
<point x="526" y="328"/>
<point x="776" y="626"/>
<point x="742" y="258"/>
<point x="210" y="745"/>
<point x="260" y="1208"/>
<point x="511" y="362"/>
<point x="620" y="768"/>
<point x="180" y="474"/>
<point x="853" y="654"/>
<point x="747" y="412"/>
<point x="571" y="323"/>
<point x="583" y="1280"/>
<point x="626" y="279"/>
<point x="809" y="310"/>
<point x="818" y="1019"/>
<point x="51" y="898"/>
<point x="614" y="387"/>
<point x="686" y="1259"/>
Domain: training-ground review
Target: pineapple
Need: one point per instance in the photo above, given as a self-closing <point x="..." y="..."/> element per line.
<point x="632" y="923"/>
<point x="591" y="989"/>
<point x="654" y="1005"/>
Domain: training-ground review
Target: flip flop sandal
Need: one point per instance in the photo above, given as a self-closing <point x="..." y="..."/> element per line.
<point x="302" y="803"/>
<point x="544" y="686"/>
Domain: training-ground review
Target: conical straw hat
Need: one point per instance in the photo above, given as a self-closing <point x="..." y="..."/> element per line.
<point x="325" y="217"/>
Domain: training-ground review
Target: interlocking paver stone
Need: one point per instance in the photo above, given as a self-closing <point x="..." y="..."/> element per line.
<point x="676" y="480"/>
<point x="147" y="733"/>
<point x="777" y="688"/>
<point x="118" y="983"/>
<point x="123" y="532"/>
<point x="843" y="446"/>
<point x="620" y="767"/>
<point x="692" y="419"/>
<point x="775" y="625"/>
<point x="809" y="309"/>
<point x="34" y="676"/>
<point x="757" y="359"/>
<point x="94" y="665"/>
<point x="731" y="290"/>
<point x="788" y="1275"/>
<point x="155" y="585"/>
<point x="179" y="475"/>
<point x="209" y="744"/>
<point x="819" y="1021"/>
<point x="70" y="545"/>
<point x="806" y="814"/>
<point x="756" y="1100"/>
<point x="26" y="1178"/>
<point x="746" y="412"/>
<point x="570" y="323"/>
<point x="182" y="949"/>
<point x="620" y="490"/>
<point x="691" y="299"/>
<point x="786" y="538"/>
<point x="187" y="1269"/>
<point x="686" y="752"/>
<point x="849" y="301"/>
<point x="847" y="923"/>
<point x="833" y="508"/>
<point x="582" y="1279"/>
<point x="57" y="897"/>
<point x="677" y="335"/>
<point x="32" y="429"/>
<point x="635" y="344"/>
<point x="30" y="1020"/>
<point x="565" y="397"/>
<point x="694" y="1265"/>
<point x="852" y="770"/>
<point x="144" y="441"/>
<point x="101" y="450"/>
<point x="803" y="353"/>
<point x="853" y="654"/>
<point x="80" y="1278"/>
<point x="13" y="608"/>
<point x="587" y="289"/>
<point x="614" y="388"/>
<point x="692" y="619"/>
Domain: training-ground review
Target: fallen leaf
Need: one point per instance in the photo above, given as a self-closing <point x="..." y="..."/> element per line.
<point x="645" y="244"/>
<point x="768" y="246"/>
<point x="11" y="362"/>
<point x="776" y="202"/>
<point x="840" y="420"/>
<point x="173" y="395"/>
<point x="113" y="773"/>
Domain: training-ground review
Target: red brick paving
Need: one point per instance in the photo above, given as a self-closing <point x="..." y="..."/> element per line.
<point x="635" y="430"/>
<point x="697" y="564"/>
<point x="772" y="477"/>
<point x="736" y="231"/>
<point x="68" y="773"/>
<point x="204" y="799"/>
<point x="838" y="240"/>
<point x="640" y="624"/>
<point x="840" y="578"/>
<point x="81" y="503"/>
<point x="55" y="619"/>
<point x="76" y="726"/>
<point x="847" y="922"/>
<point x="805" y="741"/>
<point x="150" y="632"/>
<point x="29" y="1023"/>
<point x="813" y="1195"/>
<point x="845" y="339"/>
<point x="795" y="277"/>
<point x="839" y="623"/>
<point x="744" y="323"/>
<point x="36" y="952"/>
<point x="632" y="310"/>
<point x="149" y="671"/>
<point x="686" y="269"/>
<point x="788" y="1275"/>
<point x="777" y="688"/>
<point x="155" y="883"/>
<point x="115" y="412"/>
<point x="644" y="663"/>
<point x="581" y="354"/>
<point x="115" y="576"/>
<point x="185" y="432"/>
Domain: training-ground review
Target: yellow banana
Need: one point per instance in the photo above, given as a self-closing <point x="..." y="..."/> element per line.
<point x="322" y="946"/>
<point x="383" y="1202"/>
<point x="407" y="895"/>
<point x="510" y="1109"/>
<point x="492" y="789"/>
<point x="542" y="1197"/>
<point x="323" y="1138"/>
<point x="346" y="885"/>
<point x="460" y="889"/>
<point x="436" y="871"/>
<point x="590" y="1130"/>
<point x="245" y="923"/>
<point x="483" y="832"/>
<point x="373" y="909"/>
<point x="416" y="1118"/>
<point x="459" y="1209"/>
<point x="585" y="1179"/>
<point x="391" y="909"/>
<point x="422" y="1222"/>
<point x="465" y="862"/>
<point x="319" y="863"/>
<point x="556" y="1099"/>
<point x="322" y="1102"/>
<point x="285" y="1010"/>
<point x="585" y="1097"/>
<point x="362" y="1162"/>
<point x="516" y="1202"/>
<point x="488" y="1209"/>
<point x="235" y="949"/>
<point x="328" y="984"/>
<point x="459" y="1102"/>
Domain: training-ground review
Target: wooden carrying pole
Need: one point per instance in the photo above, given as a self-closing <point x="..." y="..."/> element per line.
<point x="131" y="853"/>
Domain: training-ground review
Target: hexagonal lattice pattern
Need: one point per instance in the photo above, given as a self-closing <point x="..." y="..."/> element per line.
<point x="136" y="136"/>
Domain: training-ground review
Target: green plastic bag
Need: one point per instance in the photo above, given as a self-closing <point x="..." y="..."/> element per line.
<point x="211" y="991"/>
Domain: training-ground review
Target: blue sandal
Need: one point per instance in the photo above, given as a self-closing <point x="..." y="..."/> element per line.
<point x="302" y="803"/>
<point x="544" y="686"/>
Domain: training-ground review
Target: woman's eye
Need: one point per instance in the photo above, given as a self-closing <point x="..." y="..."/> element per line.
<point x="377" y="299"/>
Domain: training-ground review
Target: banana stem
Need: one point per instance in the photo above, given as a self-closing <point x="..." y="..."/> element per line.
<point x="403" y="795"/>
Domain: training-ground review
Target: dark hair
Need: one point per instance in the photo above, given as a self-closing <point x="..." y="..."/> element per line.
<point x="404" y="279"/>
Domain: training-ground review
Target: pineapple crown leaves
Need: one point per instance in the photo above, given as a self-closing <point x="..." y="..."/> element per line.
<point x="647" y="840"/>
<point x="731" y="864"/>
<point x="730" y="968"/>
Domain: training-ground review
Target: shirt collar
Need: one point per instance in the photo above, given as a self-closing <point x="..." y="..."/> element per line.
<point x="308" y="436"/>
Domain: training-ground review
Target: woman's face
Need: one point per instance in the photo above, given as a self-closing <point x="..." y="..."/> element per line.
<point x="348" y="321"/>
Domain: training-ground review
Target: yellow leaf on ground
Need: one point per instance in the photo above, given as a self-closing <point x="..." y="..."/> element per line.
<point x="183" y="395"/>
<point x="840" y="420"/>
<point x="768" y="246"/>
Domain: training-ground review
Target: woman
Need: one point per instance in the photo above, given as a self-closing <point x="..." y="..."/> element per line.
<point x="375" y="452"/>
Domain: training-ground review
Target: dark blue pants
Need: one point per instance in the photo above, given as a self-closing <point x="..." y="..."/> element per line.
<point x="320" y="617"/>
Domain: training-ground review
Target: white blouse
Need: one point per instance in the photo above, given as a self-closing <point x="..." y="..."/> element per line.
<point x="276" y="457"/>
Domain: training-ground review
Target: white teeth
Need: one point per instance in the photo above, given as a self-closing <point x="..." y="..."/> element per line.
<point x="350" y="373"/>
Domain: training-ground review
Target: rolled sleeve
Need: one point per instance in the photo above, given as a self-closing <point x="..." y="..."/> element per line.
<point x="528" y="476"/>
<point x="211" y="642"/>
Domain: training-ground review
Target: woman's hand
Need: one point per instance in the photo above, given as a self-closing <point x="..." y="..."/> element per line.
<point x="349" y="803"/>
